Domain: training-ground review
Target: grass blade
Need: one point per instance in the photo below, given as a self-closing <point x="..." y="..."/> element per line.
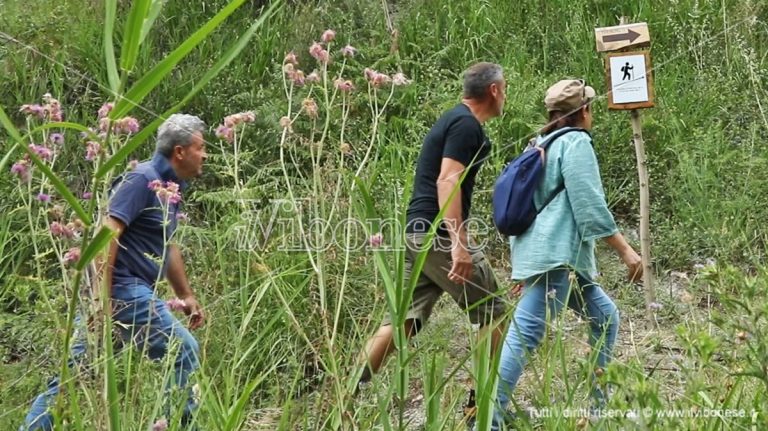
<point x="109" y="48"/>
<point x="151" y="79"/>
<point x="132" y="34"/>
<point x="154" y="12"/>
<point x="96" y="245"/>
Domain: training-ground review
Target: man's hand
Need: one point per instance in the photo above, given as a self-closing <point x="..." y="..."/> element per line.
<point x="461" y="267"/>
<point x="195" y="312"/>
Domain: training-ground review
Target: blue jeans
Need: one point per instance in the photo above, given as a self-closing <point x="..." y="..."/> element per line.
<point x="544" y="296"/>
<point x="143" y="320"/>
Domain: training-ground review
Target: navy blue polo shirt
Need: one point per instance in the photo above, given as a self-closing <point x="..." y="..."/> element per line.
<point x="142" y="242"/>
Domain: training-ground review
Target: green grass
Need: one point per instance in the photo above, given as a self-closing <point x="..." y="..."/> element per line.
<point x="280" y="349"/>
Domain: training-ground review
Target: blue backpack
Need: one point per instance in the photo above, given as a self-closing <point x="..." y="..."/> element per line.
<point x="513" y="207"/>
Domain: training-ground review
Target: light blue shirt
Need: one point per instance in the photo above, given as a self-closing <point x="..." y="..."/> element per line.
<point x="564" y="233"/>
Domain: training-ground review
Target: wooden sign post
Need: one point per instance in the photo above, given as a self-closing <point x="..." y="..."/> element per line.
<point x="629" y="76"/>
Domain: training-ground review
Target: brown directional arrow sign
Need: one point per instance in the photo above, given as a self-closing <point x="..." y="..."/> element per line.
<point x="621" y="36"/>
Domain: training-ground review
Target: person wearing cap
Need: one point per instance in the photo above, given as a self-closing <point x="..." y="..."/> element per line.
<point x="142" y="212"/>
<point x="555" y="257"/>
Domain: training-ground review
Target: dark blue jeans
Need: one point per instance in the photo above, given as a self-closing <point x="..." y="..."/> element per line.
<point x="144" y="321"/>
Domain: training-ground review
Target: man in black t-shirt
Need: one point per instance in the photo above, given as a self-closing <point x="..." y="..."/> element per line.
<point x="452" y="153"/>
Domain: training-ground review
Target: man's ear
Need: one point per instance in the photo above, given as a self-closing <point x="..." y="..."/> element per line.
<point x="178" y="152"/>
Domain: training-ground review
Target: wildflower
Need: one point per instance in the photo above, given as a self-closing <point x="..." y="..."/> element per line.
<point x="239" y="118"/>
<point x="320" y="54"/>
<point x="71" y="256"/>
<point x="369" y="73"/>
<point x="655" y="306"/>
<point x="182" y="217"/>
<point x="87" y="195"/>
<point x="348" y="51"/>
<point x="53" y="107"/>
<point x="399" y="79"/>
<point x="42" y="151"/>
<point x="343" y="85"/>
<point x="61" y="230"/>
<point x="298" y="78"/>
<point x="346" y="149"/>
<point x="375" y="78"/>
<point x="160" y="425"/>
<point x="105" y="109"/>
<point x="285" y="122"/>
<point x="126" y="126"/>
<point x="328" y="36"/>
<point x="56" y="138"/>
<point x="21" y="168"/>
<point x="313" y="77"/>
<point x="167" y="192"/>
<point x="225" y="133"/>
<point x="290" y="58"/>
<point x="551" y="293"/>
<point x="76" y="225"/>
<point x="288" y="69"/>
<point x="132" y="164"/>
<point x="375" y="240"/>
<point x="176" y="304"/>
<point x="741" y="336"/>
<point x="42" y="197"/>
<point x="33" y="111"/>
<point x="56" y="212"/>
<point x="92" y="150"/>
<point x="310" y="107"/>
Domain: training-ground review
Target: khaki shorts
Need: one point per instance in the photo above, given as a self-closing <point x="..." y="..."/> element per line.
<point x="478" y="296"/>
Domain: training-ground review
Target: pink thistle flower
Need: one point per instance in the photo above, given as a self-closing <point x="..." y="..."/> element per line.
<point x="21" y="168"/>
<point x="320" y="54"/>
<point x="182" y="217"/>
<point x="104" y="124"/>
<point x="53" y="107"/>
<point x="376" y="240"/>
<point x="288" y="69"/>
<point x="42" y="197"/>
<point x="348" y="51"/>
<point x="155" y="185"/>
<point x="160" y="425"/>
<point x="655" y="306"/>
<point x="56" y="138"/>
<point x="92" y="150"/>
<point x="343" y="85"/>
<point x="399" y="79"/>
<point x="133" y="164"/>
<point x="62" y="231"/>
<point x="126" y="126"/>
<point x="240" y="118"/>
<point x="328" y="36"/>
<point x="42" y="151"/>
<point x="310" y="107"/>
<point x="285" y="122"/>
<point x="369" y="73"/>
<point x="105" y="109"/>
<point x="167" y="193"/>
<point x="71" y="256"/>
<point x="33" y="111"/>
<point x="291" y="58"/>
<point x="313" y="77"/>
<point x="380" y="80"/>
<point x="298" y="78"/>
<point x="87" y="195"/>
<point x="225" y="133"/>
<point x="176" y="304"/>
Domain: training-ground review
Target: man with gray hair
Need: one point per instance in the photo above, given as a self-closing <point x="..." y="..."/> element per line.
<point x="452" y="153"/>
<point x="142" y="211"/>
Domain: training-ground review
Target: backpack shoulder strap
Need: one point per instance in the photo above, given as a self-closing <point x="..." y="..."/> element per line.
<point x="561" y="132"/>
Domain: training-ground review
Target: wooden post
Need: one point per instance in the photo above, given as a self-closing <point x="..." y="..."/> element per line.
<point x="645" y="222"/>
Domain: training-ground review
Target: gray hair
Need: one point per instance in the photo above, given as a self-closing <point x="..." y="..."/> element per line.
<point x="177" y="130"/>
<point x="479" y="77"/>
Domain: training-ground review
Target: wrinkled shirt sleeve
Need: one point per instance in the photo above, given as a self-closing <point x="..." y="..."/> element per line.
<point x="584" y="187"/>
